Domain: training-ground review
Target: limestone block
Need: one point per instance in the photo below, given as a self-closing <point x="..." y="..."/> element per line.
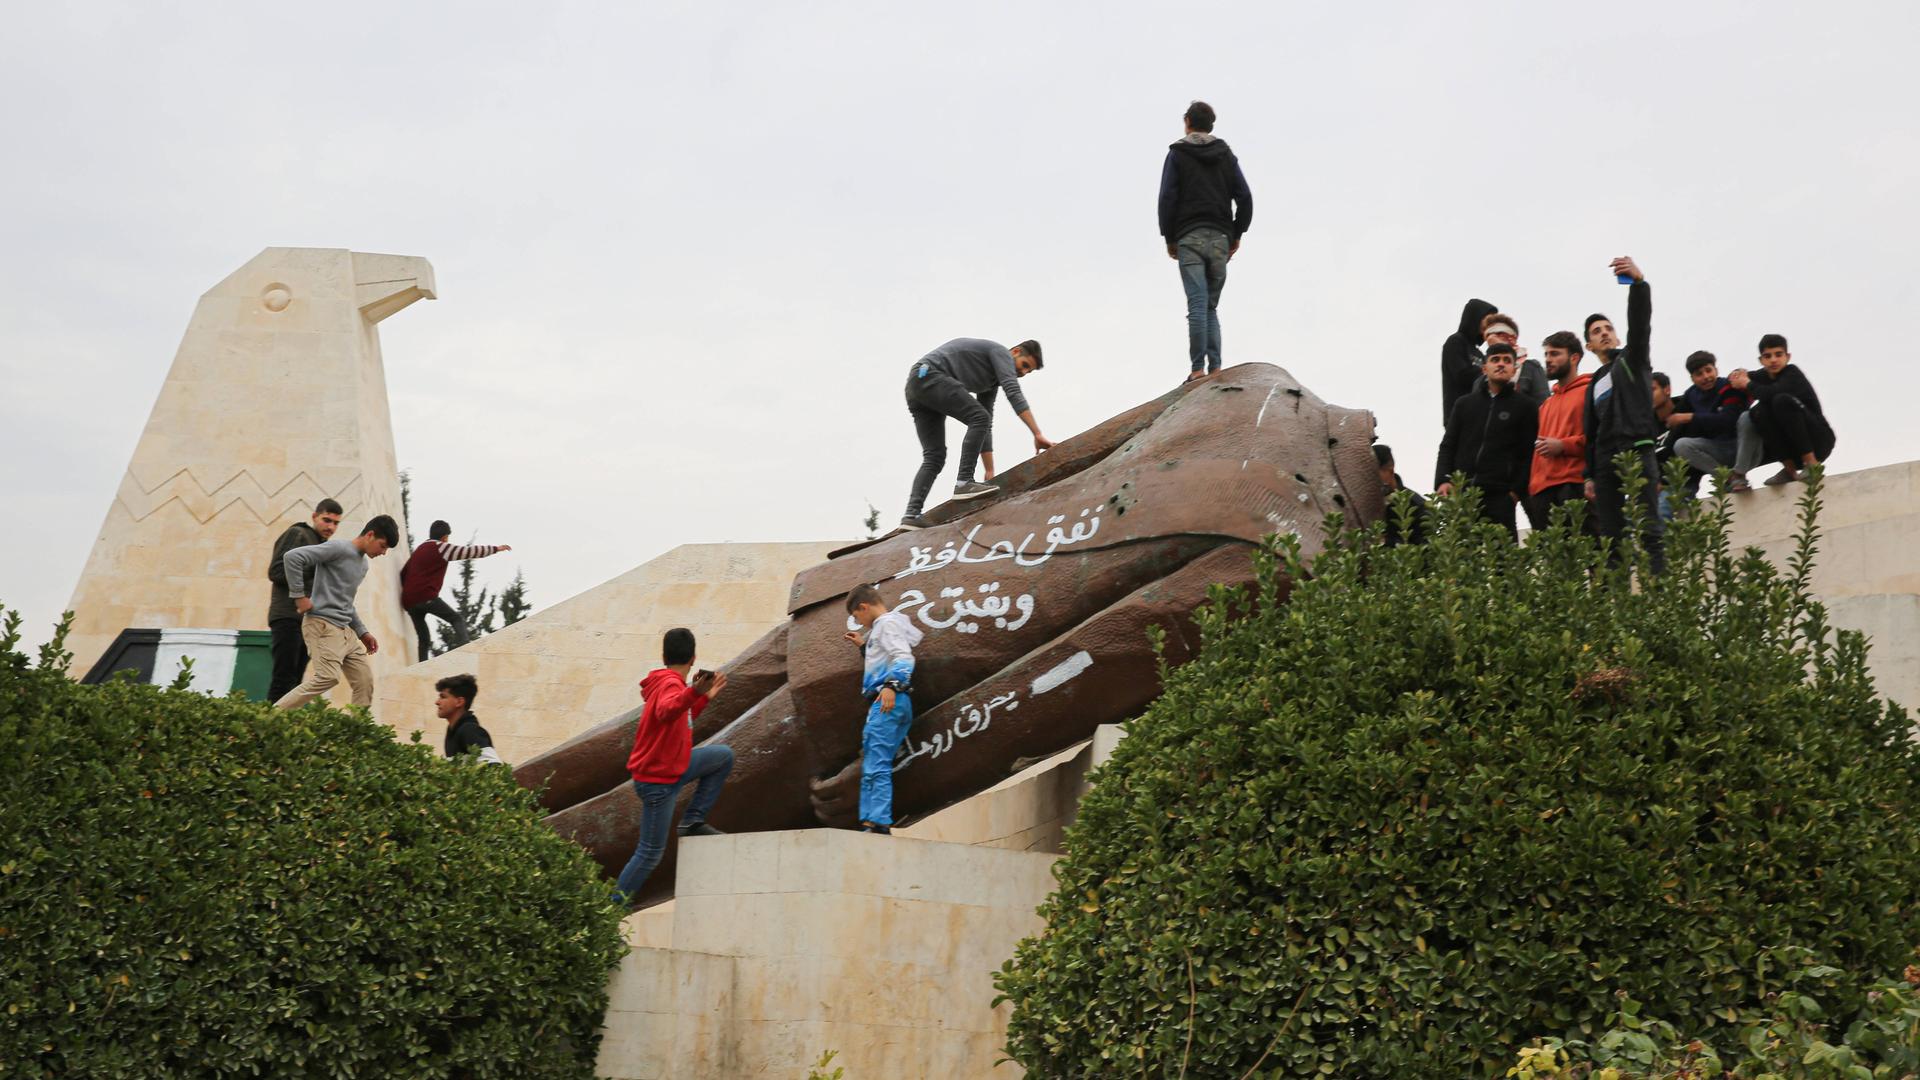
<point x="1105" y="738"/>
<point x="649" y="928"/>
<point x="1891" y="622"/>
<point x="1028" y="811"/>
<point x="668" y="1015"/>
<point x="230" y="455"/>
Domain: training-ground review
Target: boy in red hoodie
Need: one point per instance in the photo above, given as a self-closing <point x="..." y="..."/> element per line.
<point x="1560" y="453"/>
<point x="664" y="759"/>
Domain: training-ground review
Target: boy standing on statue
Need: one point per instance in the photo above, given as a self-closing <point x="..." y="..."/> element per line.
<point x="886" y="681"/>
<point x="283" y="619"/>
<point x="664" y="759"/>
<point x="322" y="580"/>
<point x="1205" y="207"/>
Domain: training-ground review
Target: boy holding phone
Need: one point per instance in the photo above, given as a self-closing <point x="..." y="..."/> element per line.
<point x="664" y="759"/>
<point x="886" y="681"/>
<point x="1619" y="417"/>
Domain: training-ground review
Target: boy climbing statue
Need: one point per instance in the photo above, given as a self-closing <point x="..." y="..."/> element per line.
<point x="886" y="682"/>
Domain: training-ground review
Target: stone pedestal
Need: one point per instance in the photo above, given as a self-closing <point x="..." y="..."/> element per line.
<point x="789" y="944"/>
<point x="276" y="399"/>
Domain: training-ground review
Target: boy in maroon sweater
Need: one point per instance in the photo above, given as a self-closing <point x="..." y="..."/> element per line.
<point x="426" y="572"/>
<point x="664" y="759"/>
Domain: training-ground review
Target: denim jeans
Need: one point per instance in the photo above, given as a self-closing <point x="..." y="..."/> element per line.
<point x="708" y="766"/>
<point x="931" y="398"/>
<point x="879" y="742"/>
<point x="456" y="629"/>
<point x="1203" y="273"/>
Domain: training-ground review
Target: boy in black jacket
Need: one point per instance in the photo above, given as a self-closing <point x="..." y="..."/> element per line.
<point x="283" y="619"/>
<point x="1703" y="422"/>
<point x="1390" y="480"/>
<point x="1490" y="438"/>
<point x="1205" y="208"/>
<point x="1786" y="423"/>
<point x="1620" y="418"/>
<point x="465" y="736"/>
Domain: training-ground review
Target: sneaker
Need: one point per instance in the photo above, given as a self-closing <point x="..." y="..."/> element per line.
<point x="973" y="489"/>
<point x="1782" y="478"/>
<point x="1737" y="484"/>
<point x="700" y="828"/>
<point x="883" y="830"/>
<point x="915" y="521"/>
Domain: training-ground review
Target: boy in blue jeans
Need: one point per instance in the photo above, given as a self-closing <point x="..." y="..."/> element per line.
<point x="886" y="681"/>
<point x="664" y="759"/>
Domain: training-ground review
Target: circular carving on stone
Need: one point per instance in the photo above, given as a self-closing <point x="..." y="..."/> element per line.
<point x="276" y="297"/>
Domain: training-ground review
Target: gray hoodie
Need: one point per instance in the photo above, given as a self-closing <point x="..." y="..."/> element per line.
<point x="337" y="569"/>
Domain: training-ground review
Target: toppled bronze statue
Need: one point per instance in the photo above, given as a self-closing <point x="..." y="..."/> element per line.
<point x="1036" y="604"/>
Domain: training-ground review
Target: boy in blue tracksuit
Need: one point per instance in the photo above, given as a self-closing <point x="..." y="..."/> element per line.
<point x="887" y="682"/>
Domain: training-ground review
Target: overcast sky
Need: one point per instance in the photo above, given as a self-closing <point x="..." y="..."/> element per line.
<point x="685" y="251"/>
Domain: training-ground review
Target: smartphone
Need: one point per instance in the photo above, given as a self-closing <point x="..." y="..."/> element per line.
<point x="703" y="675"/>
<point x="1624" y="279"/>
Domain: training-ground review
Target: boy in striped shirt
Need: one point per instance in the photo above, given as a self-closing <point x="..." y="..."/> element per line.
<point x="426" y="572"/>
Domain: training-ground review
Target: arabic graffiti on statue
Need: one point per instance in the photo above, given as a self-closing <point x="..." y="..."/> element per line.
<point x="926" y="559"/>
<point x="973" y="718"/>
<point x="990" y="605"/>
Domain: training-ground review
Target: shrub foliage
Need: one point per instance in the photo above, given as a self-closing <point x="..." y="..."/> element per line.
<point x="204" y="887"/>
<point x="1445" y="800"/>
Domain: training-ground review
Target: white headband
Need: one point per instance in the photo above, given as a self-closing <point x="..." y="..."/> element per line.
<point x="1491" y="327"/>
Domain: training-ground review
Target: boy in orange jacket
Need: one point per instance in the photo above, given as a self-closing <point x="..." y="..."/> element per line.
<point x="1560" y="452"/>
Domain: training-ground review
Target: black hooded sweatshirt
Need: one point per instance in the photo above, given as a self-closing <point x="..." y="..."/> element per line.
<point x="1201" y="185"/>
<point x="1619" y="414"/>
<point x="1460" y="356"/>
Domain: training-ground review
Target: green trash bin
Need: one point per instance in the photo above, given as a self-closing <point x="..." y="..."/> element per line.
<point x="253" y="663"/>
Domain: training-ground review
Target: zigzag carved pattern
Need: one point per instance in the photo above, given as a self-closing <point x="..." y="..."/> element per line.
<point x="142" y="502"/>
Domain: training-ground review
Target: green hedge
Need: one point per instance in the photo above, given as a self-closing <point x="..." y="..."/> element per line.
<point x="192" y="886"/>
<point x="1449" y="799"/>
<point x="1796" y="1036"/>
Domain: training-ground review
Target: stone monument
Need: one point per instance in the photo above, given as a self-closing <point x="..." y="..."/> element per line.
<point x="1038" y="605"/>
<point x="277" y="398"/>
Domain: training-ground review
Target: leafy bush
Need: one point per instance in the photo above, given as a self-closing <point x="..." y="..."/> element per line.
<point x="204" y="887"/>
<point x="1791" y="1038"/>
<point x="1447" y="799"/>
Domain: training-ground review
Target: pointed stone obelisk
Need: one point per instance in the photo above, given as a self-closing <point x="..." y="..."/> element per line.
<point x="276" y="399"/>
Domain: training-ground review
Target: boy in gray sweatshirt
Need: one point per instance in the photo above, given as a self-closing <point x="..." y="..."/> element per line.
<point x="961" y="379"/>
<point x="322" y="579"/>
